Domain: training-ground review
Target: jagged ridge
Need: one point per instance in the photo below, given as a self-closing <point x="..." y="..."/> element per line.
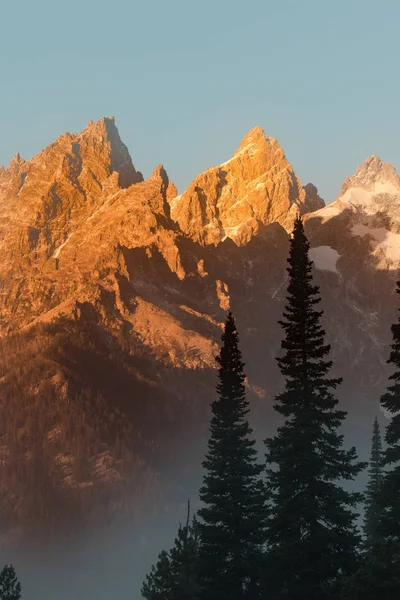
<point x="255" y="187"/>
<point x="121" y="280"/>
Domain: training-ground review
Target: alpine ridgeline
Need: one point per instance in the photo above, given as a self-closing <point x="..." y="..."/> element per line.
<point x="113" y="294"/>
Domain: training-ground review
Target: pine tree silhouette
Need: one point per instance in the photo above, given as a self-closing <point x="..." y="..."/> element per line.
<point x="183" y="561"/>
<point x="373" y="491"/>
<point x="390" y="513"/>
<point x="10" y="587"/>
<point x="379" y="573"/>
<point x="158" y="584"/>
<point x="379" y="576"/>
<point x="174" y="576"/>
<point x="232" y="520"/>
<point x="312" y="534"/>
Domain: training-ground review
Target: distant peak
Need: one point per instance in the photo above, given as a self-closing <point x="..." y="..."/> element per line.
<point x="104" y="133"/>
<point x="106" y="121"/>
<point x="256" y="141"/>
<point x="372" y="164"/>
<point x="373" y="159"/>
<point x="254" y="136"/>
<point x="372" y="172"/>
<point x="255" y="132"/>
<point x="104" y="124"/>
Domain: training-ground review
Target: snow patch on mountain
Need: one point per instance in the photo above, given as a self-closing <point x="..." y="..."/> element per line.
<point x="357" y="197"/>
<point x="327" y="212"/>
<point x="386" y="187"/>
<point x="370" y="201"/>
<point x="373" y="189"/>
<point x="324" y="258"/>
<point x="386" y="244"/>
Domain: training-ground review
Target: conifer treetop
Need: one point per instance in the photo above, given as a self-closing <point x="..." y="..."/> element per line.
<point x="312" y="534"/>
<point x="232" y="518"/>
<point x="390" y="508"/>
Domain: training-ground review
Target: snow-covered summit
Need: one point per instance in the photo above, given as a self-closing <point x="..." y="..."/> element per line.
<point x="374" y="187"/>
<point x="369" y="204"/>
<point x="373" y="175"/>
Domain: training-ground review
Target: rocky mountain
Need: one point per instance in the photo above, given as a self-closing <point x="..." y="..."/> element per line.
<point x="356" y="248"/>
<point x="369" y="205"/>
<point x="113" y="292"/>
<point x="254" y="188"/>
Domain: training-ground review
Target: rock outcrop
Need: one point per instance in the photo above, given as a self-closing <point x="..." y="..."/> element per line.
<point x="254" y="188"/>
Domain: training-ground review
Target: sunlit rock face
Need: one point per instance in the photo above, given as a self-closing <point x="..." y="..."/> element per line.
<point x="113" y="294"/>
<point x="254" y="188"/>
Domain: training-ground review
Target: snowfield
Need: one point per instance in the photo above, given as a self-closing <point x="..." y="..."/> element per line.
<point x="324" y="258"/>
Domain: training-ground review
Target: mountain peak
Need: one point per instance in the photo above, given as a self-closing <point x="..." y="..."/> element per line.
<point x="373" y="190"/>
<point x="101" y="121"/>
<point x="372" y="161"/>
<point x="254" y="188"/>
<point x="374" y="175"/>
<point x="254" y="136"/>
<point x="257" y="140"/>
<point x="256" y="146"/>
<point x="101" y="138"/>
<point x="104" y="126"/>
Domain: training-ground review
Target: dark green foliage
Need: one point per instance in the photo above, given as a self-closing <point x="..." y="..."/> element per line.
<point x="379" y="575"/>
<point x="232" y="524"/>
<point x="183" y="561"/>
<point x="372" y="494"/>
<point x="390" y="516"/>
<point x="174" y="577"/>
<point x="159" y="583"/>
<point x="10" y="587"/>
<point x="312" y="533"/>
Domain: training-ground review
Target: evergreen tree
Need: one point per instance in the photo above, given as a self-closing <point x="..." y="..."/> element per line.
<point x="174" y="576"/>
<point x="390" y="499"/>
<point x="312" y="535"/>
<point x="10" y="587"/>
<point x="232" y="525"/>
<point x="183" y="561"/>
<point x="373" y="491"/>
<point x="158" y="584"/>
<point x="379" y="575"/>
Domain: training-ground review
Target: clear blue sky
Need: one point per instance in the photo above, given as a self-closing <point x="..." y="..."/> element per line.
<point x="185" y="80"/>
